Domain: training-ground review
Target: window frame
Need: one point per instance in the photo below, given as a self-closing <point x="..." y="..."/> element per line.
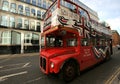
<point x="44" y="4"/>
<point x="19" y="22"/>
<point x="34" y="39"/>
<point x="34" y="2"/>
<point x="5" y="5"/>
<point x="6" y="39"/>
<point x="4" y="21"/>
<point x="39" y="14"/>
<point x="32" y="25"/>
<point x="12" y="8"/>
<point x="12" y="22"/>
<point x="38" y="26"/>
<point x="28" y="1"/>
<point x="28" y="39"/>
<point x="27" y="11"/>
<point x="33" y="12"/>
<point x="20" y="9"/>
<point x="26" y="25"/>
<point x="16" y="38"/>
<point x="39" y="3"/>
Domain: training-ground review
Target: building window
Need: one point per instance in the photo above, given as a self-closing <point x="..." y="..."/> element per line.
<point x="5" y="5"/>
<point x="33" y="12"/>
<point x="62" y="2"/>
<point x="13" y="8"/>
<point x="16" y="38"/>
<point x="12" y="22"/>
<point x="39" y="3"/>
<point x="32" y="25"/>
<point x="4" y="21"/>
<point x="44" y="4"/>
<point x="19" y="23"/>
<point x="42" y="16"/>
<point x="20" y="9"/>
<point x="28" y="38"/>
<point x="38" y="14"/>
<point x="6" y="37"/>
<point x="48" y="5"/>
<point x="27" y="10"/>
<point x="26" y="24"/>
<point x="35" y="38"/>
<point x="28" y="1"/>
<point x="34" y="2"/>
<point x="38" y="27"/>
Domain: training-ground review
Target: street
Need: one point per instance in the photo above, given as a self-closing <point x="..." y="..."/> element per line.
<point x="25" y="70"/>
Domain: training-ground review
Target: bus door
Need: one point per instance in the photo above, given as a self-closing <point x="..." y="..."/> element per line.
<point x="86" y="52"/>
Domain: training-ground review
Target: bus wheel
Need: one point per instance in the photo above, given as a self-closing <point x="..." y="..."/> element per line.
<point x="69" y="71"/>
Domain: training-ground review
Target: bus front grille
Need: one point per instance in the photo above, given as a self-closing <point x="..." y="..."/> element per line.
<point x="43" y="63"/>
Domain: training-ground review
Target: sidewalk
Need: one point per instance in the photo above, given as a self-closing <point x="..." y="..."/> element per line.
<point x="18" y="55"/>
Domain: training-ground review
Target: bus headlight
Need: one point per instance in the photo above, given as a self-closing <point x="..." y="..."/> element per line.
<point x="52" y="65"/>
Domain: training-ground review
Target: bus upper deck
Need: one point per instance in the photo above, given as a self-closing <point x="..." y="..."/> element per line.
<point x="73" y="16"/>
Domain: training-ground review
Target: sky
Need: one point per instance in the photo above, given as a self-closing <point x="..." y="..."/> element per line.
<point x="108" y="11"/>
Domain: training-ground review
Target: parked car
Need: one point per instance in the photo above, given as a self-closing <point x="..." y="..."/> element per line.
<point x="118" y="46"/>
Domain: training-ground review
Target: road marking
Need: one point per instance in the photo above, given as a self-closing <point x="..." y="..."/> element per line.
<point x="10" y="65"/>
<point x="14" y="64"/>
<point x="26" y="65"/>
<point x="2" y="78"/>
<point x="112" y="78"/>
<point x="14" y="68"/>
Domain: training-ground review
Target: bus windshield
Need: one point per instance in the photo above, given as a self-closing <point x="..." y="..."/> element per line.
<point x="54" y="41"/>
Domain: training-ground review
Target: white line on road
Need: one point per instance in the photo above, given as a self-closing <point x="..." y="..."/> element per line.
<point x="14" y="64"/>
<point x="2" y="78"/>
<point x="26" y="65"/>
<point x="17" y="66"/>
<point x="112" y="78"/>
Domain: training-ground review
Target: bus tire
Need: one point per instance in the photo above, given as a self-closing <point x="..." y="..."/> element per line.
<point x="69" y="71"/>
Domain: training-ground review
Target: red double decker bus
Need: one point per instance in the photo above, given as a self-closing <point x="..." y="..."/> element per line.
<point x="72" y="40"/>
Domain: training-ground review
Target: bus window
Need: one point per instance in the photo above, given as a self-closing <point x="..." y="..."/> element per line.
<point x="72" y="42"/>
<point x="85" y="42"/>
<point x="53" y="41"/>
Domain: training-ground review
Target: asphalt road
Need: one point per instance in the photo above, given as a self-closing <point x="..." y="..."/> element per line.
<point x="25" y="70"/>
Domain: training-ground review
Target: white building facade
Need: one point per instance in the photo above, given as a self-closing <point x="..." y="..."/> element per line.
<point x="20" y="25"/>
